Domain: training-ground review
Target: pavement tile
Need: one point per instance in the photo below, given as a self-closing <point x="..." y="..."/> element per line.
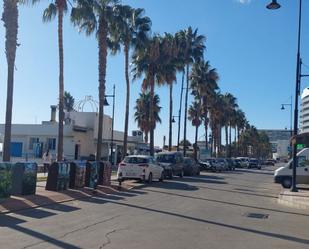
<point x="298" y="199"/>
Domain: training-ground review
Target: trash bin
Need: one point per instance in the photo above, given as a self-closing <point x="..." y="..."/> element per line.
<point x="100" y="173"/>
<point x="91" y="178"/>
<point x="24" y="175"/>
<point x="107" y="173"/>
<point x="58" y="176"/>
<point x="77" y="174"/>
<point x="5" y="179"/>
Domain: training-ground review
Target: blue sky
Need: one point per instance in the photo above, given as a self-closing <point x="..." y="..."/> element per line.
<point x="253" y="49"/>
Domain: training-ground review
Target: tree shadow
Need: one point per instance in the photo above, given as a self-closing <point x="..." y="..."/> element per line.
<point x="249" y="230"/>
<point x="169" y="185"/>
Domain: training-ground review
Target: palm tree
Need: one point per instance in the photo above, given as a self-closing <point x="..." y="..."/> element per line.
<point x="131" y="31"/>
<point x="68" y="102"/>
<point x="204" y="83"/>
<point x="192" y="50"/>
<point x="142" y="112"/>
<point x="10" y="19"/>
<point x="230" y="105"/>
<point x="97" y="16"/>
<point x="148" y="63"/>
<point x="194" y="113"/>
<point x="58" y="7"/>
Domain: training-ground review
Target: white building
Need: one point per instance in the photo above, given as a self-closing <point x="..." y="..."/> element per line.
<point x="79" y="141"/>
<point x="304" y="117"/>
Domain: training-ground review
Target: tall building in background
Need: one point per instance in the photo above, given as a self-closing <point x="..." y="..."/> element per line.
<point x="304" y="116"/>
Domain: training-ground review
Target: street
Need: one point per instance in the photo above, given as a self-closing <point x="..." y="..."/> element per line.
<point x="214" y="210"/>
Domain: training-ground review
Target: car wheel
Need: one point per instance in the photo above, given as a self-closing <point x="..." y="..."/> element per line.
<point x="161" y="179"/>
<point x="181" y="174"/>
<point x="287" y="182"/>
<point x="150" y="178"/>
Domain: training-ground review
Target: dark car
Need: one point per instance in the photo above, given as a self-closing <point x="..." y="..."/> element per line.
<point x="172" y="162"/>
<point x="270" y="162"/>
<point x="253" y="163"/>
<point x="190" y="167"/>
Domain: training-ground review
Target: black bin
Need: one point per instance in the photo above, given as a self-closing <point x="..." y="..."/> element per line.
<point x="24" y="175"/>
<point x="5" y="179"/>
<point x="92" y="174"/>
<point x="77" y="174"/>
<point x="58" y="176"/>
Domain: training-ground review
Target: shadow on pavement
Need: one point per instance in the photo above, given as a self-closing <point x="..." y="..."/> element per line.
<point x="227" y="203"/>
<point x="175" y="185"/>
<point x="13" y="223"/>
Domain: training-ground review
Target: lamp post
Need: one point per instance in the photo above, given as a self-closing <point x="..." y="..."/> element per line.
<point x="272" y="6"/>
<point x="112" y="134"/>
<point x="174" y="121"/>
<point x="291" y="114"/>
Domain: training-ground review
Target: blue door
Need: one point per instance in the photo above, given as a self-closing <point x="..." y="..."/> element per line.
<point x="16" y="149"/>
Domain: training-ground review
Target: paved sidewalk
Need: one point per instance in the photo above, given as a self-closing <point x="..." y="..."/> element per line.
<point x="298" y="199"/>
<point x="44" y="197"/>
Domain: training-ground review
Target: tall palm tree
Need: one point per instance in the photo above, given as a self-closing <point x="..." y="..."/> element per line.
<point x="132" y="31"/>
<point x="148" y="63"/>
<point x="57" y="7"/>
<point x="204" y="83"/>
<point x="194" y="115"/>
<point x="97" y="16"/>
<point x="10" y="19"/>
<point x="192" y="50"/>
<point x="230" y="105"/>
<point x="142" y="112"/>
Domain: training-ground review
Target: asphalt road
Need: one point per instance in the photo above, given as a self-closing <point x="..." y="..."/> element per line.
<point x="233" y="210"/>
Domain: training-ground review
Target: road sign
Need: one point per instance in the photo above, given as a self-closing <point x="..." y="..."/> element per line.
<point x="300" y="146"/>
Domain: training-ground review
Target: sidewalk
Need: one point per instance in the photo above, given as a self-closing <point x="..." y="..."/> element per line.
<point x="44" y="197"/>
<point x="298" y="199"/>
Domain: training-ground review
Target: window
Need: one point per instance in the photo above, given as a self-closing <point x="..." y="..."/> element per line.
<point x="135" y="160"/>
<point x="51" y="143"/>
<point x="32" y="141"/>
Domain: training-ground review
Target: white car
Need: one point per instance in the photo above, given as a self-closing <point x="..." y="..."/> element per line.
<point x="139" y="167"/>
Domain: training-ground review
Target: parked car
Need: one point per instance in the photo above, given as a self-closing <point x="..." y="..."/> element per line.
<point x="206" y="164"/>
<point x="253" y="163"/>
<point x="172" y="162"/>
<point x="231" y="163"/>
<point x="139" y="167"/>
<point x="190" y="167"/>
<point x="270" y="162"/>
<point x="283" y="175"/>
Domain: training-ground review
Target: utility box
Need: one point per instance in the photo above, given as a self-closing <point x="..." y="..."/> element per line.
<point x="58" y="176"/>
<point x="92" y="170"/>
<point x="24" y="175"/>
<point x="77" y="174"/>
<point x="5" y="179"/>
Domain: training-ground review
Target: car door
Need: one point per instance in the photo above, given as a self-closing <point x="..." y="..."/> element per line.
<point x="153" y="168"/>
<point x="302" y="170"/>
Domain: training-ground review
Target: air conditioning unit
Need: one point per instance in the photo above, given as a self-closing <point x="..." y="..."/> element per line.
<point x="137" y="133"/>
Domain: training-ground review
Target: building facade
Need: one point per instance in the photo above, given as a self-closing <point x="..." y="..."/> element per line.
<point x="30" y="141"/>
<point x="304" y="116"/>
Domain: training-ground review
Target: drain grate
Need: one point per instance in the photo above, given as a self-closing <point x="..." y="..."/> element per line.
<point x="257" y="215"/>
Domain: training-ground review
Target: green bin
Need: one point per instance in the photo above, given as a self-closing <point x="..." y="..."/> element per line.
<point x="5" y="180"/>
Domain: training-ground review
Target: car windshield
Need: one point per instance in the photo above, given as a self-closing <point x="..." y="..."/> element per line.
<point x="166" y="158"/>
<point x="135" y="160"/>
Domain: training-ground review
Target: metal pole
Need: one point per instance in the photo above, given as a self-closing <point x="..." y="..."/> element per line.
<point x="297" y="87"/>
<point x="112" y="137"/>
<point x="291" y="119"/>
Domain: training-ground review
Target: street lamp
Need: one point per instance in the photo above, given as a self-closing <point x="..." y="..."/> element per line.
<point x="174" y="121"/>
<point x="112" y="135"/>
<point x="291" y="114"/>
<point x="274" y="5"/>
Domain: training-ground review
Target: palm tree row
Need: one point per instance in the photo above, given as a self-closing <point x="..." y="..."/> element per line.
<point x="156" y="59"/>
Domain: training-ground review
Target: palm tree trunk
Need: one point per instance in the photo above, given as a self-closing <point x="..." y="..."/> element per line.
<point x="186" y="110"/>
<point x="226" y="141"/>
<point x="230" y="141"/>
<point x="146" y="137"/>
<point x="206" y="130"/>
<point x="10" y="19"/>
<point x="152" y="121"/>
<point x="170" y="118"/>
<point x="126" y="119"/>
<point x="180" y="108"/>
<point x="195" y="143"/>
<point x="102" y="74"/>
<point x="61" y="85"/>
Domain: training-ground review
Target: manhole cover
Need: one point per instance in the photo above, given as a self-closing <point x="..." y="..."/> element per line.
<point x="257" y="215"/>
